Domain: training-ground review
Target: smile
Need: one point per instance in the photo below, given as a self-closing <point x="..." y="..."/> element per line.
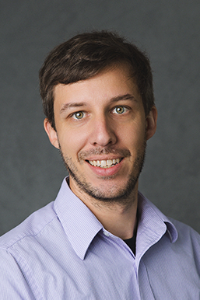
<point x="104" y="163"/>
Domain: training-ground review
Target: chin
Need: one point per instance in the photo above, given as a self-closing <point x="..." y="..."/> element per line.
<point x="107" y="192"/>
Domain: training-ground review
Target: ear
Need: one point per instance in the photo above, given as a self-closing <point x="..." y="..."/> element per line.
<point x="151" y="123"/>
<point x="52" y="134"/>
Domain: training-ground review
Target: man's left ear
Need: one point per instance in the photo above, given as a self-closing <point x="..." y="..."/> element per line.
<point x="151" y="123"/>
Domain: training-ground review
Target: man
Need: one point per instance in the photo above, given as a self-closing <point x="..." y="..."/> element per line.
<point x="100" y="238"/>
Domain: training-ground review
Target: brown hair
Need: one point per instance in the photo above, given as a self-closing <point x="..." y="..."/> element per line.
<point x="84" y="56"/>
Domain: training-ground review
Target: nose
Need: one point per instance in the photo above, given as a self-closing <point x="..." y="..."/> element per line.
<point x="102" y="132"/>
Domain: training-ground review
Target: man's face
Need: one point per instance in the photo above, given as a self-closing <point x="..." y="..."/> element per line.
<point x="101" y="131"/>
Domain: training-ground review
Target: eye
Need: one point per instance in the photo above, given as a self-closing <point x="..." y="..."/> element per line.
<point x="78" y="115"/>
<point x="120" y="110"/>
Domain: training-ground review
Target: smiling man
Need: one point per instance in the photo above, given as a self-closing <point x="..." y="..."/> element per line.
<point x="101" y="130"/>
<point x="100" y="238"/>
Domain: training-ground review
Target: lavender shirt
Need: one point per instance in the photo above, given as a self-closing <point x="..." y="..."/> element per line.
<point x="63" y="252"/>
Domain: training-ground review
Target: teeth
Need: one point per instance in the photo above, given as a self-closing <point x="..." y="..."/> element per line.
<point x="109" y="162"/>
<point x="98" y="163"/>
<point x="104" y="163"/>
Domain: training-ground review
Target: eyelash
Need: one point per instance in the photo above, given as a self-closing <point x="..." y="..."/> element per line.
<point x="77" y="112"/>
<point x="125" y="109"/>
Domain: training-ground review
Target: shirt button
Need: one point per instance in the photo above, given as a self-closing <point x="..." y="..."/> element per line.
<point x="106" y="233"/>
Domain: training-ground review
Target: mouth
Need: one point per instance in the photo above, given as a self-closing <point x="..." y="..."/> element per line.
<point x="105" y="164"/>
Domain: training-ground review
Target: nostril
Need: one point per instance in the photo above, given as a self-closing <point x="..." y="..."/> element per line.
<point x="102" y="132"/>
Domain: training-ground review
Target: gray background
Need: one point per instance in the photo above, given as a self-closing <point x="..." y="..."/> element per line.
<point x="31" y="170"/>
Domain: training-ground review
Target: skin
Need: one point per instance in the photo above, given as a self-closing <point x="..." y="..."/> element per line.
<point x="103" y="118"/>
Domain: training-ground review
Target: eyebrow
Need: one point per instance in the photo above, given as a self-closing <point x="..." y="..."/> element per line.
<point x="72" y="104"/>
<point x="82" y="104"/>
<point x="123" y="97"/>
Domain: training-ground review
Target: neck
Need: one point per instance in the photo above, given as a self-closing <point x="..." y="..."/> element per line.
<point x="118" y="218"/>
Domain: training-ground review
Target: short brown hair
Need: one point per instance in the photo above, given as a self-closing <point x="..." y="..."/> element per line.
<point x="84" y="56"/>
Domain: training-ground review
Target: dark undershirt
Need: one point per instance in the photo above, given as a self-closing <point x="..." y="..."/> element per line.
<point x="131" y="243"/>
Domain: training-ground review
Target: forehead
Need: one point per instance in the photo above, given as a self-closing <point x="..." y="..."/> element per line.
<point x="111" y="82"/>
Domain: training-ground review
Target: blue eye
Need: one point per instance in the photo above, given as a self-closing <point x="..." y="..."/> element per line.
<point x="78" y="115"/>
<point x="120" y="110"/>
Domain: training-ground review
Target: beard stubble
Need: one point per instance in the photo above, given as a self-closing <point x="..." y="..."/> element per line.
<point x="122" y="194"/>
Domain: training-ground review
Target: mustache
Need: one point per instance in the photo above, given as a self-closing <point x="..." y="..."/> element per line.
<point x="83" y="155"/>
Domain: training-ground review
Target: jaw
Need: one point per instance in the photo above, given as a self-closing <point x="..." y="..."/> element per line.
<point x="116" y="183"/>
<point x="104" y="189"/>
<point x="104" y="184"/>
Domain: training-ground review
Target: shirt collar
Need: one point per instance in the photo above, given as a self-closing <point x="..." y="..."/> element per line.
<point x="152" y="226"/>
<point x="79" y="223"/>
<point x="150" y="208"/>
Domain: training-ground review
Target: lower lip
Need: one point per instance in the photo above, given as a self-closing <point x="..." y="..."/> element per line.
<point x="106" y="171"/>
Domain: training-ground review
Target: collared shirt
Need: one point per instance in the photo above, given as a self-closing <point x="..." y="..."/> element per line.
<point x="63" y="252"/>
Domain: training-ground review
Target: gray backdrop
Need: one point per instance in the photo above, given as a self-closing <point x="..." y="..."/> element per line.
<point x="31" y="170"/>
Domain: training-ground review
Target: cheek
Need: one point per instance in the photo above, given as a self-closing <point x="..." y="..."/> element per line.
<point x="134" y="140"/>
<point x="134" y="134"/>
<point x="72" y="142"/>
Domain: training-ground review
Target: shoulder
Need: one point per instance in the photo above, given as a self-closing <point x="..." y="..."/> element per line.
<point x="30" y="227"/>
<point x="17" y="247"/>
<point x="187" y="235"/>
<point x="187" y="246"/>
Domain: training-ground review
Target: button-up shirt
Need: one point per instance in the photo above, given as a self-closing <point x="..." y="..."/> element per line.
<point x="63" y="252"/>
